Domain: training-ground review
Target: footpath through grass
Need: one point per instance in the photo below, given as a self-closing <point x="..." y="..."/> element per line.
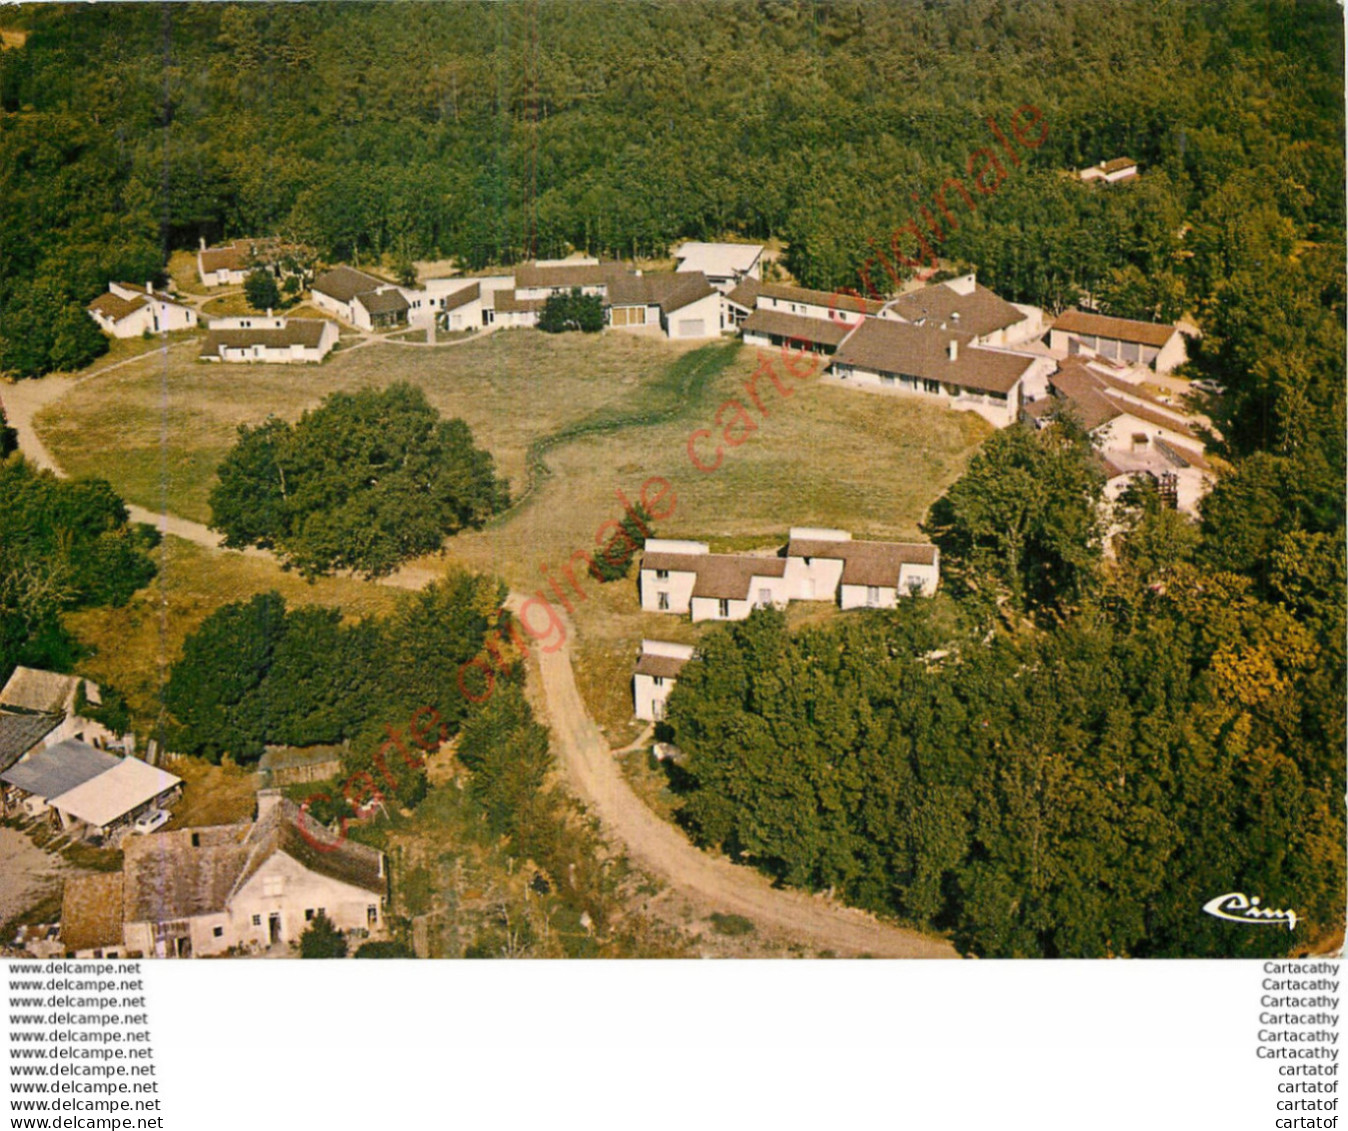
<point x="683" y="385"/>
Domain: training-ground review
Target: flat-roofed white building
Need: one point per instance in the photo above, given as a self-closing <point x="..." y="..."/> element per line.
<point x="657" y="671"/>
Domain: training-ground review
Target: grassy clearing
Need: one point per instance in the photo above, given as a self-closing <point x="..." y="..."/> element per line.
<point x="823" y="456"/>
<point x="182" y="272"/>
<point x="159" y="428"/>
<point x="572" y="420"/>
<point x="212" y="795"/>
<point x="133" y="647"/>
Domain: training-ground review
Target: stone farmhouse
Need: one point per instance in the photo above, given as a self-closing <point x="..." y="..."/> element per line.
<point x="1160" y="347"/>
<point x="682" y="577"/>
<point x="657" y="671"/>
<point x="269" y="339"/>
<point x="127" y="311"/>
<point x="250" y="887"/>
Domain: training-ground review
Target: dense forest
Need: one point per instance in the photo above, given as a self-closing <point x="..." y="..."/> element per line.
<point x="1080" y="741"/>
<point x="493" y="132"/>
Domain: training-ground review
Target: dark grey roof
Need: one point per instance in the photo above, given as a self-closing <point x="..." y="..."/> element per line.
<point x="59" y="768"/>
<point x="20" y="733"/>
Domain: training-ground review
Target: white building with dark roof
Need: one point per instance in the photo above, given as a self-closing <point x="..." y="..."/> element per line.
<point x="127" y="311"/>
<point x="39" y="709"/>
<point x="32" y="784"/>
<point x="656" y="673"/>
<point x="942" y="365"/>
<point x="1157" y="345"/>
<point x="269" y="339"/>
<point x="99" y="808"/>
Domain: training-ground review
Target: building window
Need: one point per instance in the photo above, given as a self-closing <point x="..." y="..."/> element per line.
<point x="372" y="915"/>
<point x="662" y="602"/>
<point x="872" y="596"/>
<point x="658" y="680"/>
<point x="723" y="607"/>
<point x="308" y="914"/>
<point x="662" y="575"/>
<point x="217" y="932"/>
<point x="271" y="885"/>
<point x="257" y="920"/>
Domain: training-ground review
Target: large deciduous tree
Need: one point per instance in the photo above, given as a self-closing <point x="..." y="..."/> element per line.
<point x="1024" y="522"/>
<point x="363" y="482"/>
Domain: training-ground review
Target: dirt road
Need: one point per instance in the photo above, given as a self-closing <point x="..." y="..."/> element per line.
<point x="654" y="845"/>
<point x="662" y="850"/>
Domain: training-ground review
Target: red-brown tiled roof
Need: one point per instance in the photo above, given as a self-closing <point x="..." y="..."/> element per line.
<point x="1116" y="329"/>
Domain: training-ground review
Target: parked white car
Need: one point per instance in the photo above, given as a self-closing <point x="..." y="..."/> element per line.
<point x="154" y="819"/>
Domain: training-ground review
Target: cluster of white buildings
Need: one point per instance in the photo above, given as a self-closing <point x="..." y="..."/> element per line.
<point x="684" y="578"/>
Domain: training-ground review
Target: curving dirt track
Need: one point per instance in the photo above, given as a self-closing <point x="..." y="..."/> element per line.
<point x="662" y="850"/>
<point x="654" y="845"/>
